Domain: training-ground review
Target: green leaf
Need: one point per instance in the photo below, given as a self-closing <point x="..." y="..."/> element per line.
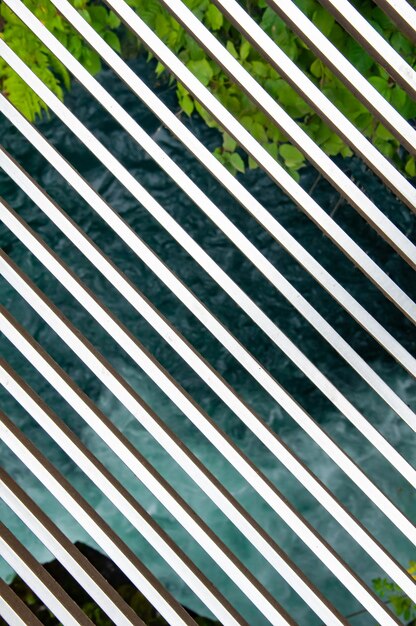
<point x="237" y="162"/>
<point x="187" y="105"/>
<point x="333" y="145"/>
<point x="401" y="44"/>
<point x="381" y="19"/>
<point x="112" y="40"/>
<point x="229" y="144"/>
<point x="162" y="25"/>
<point x="317" y="68"/>
<point x="272" y="23"/>
<point x="259" y="132"/>
<point x="202" y="70"/>
<point x="91" y="61"/>
<point x="260" y="69"/>
<point x="160" y="68"/>
<point x="346" y="152"/>
<point x="323" y="20"/>
<point x="245" y="50"/>
<point x="231" y="48"/>
<point x="381" y="84"/>
<point x="112" y="20"/>
<point x="358" y="56"/>
<point x="247" y="121"/>
<point x="291" y="155"/>
<point x="213" y="17"/>
<point x="307" y="6"/>
<point x="98" y="15"/>
<point x="399" y="99"/>
<point x="272" y="149"/>
<point x="410" y="167"/>
<point x="294" y="174"/>
<point x="233" y="104"/>
<point x="383" y="133"/>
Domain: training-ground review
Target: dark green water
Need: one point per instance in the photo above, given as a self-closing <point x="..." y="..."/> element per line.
<point x="266" y="297"/>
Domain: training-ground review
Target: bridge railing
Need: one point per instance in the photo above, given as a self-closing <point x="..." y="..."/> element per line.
<point x="198" y="580"/>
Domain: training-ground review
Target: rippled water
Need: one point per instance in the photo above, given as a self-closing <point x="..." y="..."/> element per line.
<point x="279" y="365"/>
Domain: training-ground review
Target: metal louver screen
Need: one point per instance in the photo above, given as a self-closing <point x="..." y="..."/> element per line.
<point x="222" y="557"/>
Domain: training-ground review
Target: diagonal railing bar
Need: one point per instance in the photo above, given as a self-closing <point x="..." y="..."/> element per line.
<point x="403" y="14"/>
<point x="13" y="610"/>
<point x="112" y="488"/>
<point x="180" y="510"/>
<point x="137" y="300"/>
<point x="39" y="580"/>
<point x="24" y="395"/>
<point x="346" y="72"/>
<point x="186" y="519"/>
<point x="129" y="237"/>
<point x="324" y="164"/>
<point x="121" y="335"/>
<point x="16" y="224"/>
<point x="30" y="349"/>
<point x="66" y="553"/>
<point x="371" y="40"/>
<point x="139" y="303"/>
<point x="107" y="375"/>
<point x="385" y="284"/>
<point x="261" y="263"/>
<point x="229" y="123"/>
<point x="325" y="108"/>
<point x="122" y="174"/>
<point x="102" y="533"/>
<point x="168" y="118"/>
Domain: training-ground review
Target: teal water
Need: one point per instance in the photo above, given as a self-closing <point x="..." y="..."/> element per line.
<point x="279" y="365"/>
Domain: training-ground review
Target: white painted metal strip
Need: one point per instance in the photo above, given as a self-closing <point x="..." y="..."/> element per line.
<point x="407" y="306"/>
<point x="13" y="610"/>
<point x="67" y="554"/>
<point x="71" y="445"/>
<point x="137" y="302"/>
<point x="327" y="167"/>
<point x="401" y="12"/>
<point x="119" y="497"/>
<point x="172" y="121"/>
<point x="366" y="597"/>
<point x="55" y="214"/>
<point x="336" y="234"/>
<point x="270" y="608"/>
<point x="85" y="298"/>
<point x="102" y="534"/>
<point x="188" y="462"/>
<point x="252" y="147"/>
<point x="128" y="236"/>
<point x="126" y="396"/>
<point x="321" y="103"/>
<point x="119" y="333"/>
<point x="372" y="41"/>
<point x="289" y="127"/>
<point x="346" y="72"/>
<point x="40" y="581"/>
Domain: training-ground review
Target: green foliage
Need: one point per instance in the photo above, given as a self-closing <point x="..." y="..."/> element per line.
<point x="391" y="593"/>
<point x="210" y="74"/>
<point x="38" y="57"/>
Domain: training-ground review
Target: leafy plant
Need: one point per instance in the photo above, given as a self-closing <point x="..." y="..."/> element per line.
<point x="391" y="593"/>
<point x="51" y="71"/>
<point x="38" y="57"/>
